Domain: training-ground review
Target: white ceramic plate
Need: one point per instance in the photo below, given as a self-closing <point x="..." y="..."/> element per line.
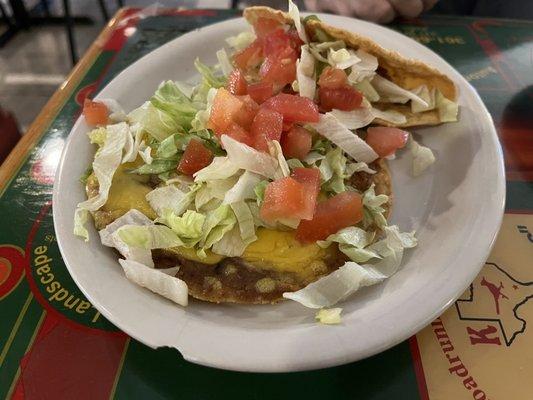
<point x="456" y="209"/>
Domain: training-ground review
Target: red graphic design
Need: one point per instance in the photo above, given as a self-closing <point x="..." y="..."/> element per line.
<point x="85" y="92"/>
<point x="65" y="363"/>
<point x="11" y="268"/>
<point x="419" y="368"/>
<point x="496" y="292"/>
<point x="482" y="302"/>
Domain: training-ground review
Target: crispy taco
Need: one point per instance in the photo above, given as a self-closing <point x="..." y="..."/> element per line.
<point x="267" y="179"/>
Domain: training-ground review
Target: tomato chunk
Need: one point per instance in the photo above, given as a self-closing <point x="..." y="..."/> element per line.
<point x="344" y="98"/>
<point x="236" y="83"/>
<point x="293" y="108"/>
<point x="95" y="112"/>
<point x="332" y="78"/>
<point x="338" y="212"/>
<point x="228" y="109"/>
<point x="385" y="141"/>
<point x="251" y="56"/>
<point x="195" y="157"/>
<point x="261" y="91"/>
<point x="279" y="68"/>
<point x="296" y="143"/>
<point x="247" y="113"/>
<point x="264" y="26"/>
<point x="285" y="198"/>
<point x="310" y="178"/>
<point x="267" y="125"/>
<point x="238" y="133"/>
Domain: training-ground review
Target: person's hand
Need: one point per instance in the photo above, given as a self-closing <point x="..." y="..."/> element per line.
<point x="372" y="10"/>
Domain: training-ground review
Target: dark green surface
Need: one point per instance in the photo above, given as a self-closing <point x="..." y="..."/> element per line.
<point x="387" y="376"/>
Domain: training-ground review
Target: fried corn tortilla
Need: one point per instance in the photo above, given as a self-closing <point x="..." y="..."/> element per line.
<point x="250" y="279"/>
<point x="406" y="73"/>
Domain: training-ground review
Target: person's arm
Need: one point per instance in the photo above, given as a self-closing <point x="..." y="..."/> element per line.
<point x="372" y="10"/>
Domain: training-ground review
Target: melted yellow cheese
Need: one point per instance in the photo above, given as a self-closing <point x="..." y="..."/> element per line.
<point x="190" y="254"/>
<point x="273" y="250"/>
<point x="129" y="191"/>
<point x="281" y="252"/>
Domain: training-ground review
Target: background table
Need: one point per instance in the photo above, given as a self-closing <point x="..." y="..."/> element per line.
<point x="54" y="344"/>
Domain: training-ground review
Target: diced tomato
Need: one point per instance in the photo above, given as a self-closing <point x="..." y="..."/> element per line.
<point x="332" y="78"/>
<point x="228" y="108"/>
<point x="247" y="113"/>
<point x="285" y="198"/>
<point x="338" y="212"/>
<point x="266" y="126"/>
<point x="276" y="42"/>
<point x="310" y="178"/>
<point x="295" y="40"/>
<point x="261" y="91"/>
<point x="238" y="133"/>
<point x="236" y="83"/>
<point x="279" y="68"/>
<point x="287" y="126"/>
<point x="95" y="112"/>
<point x="224" y="110"/>
<point x="293" y="108"/>
<point x="264" y="26"/>
<point x="195" y="157"/>
<point x="296" y="143"/>
<point x="345" y="98"/>
<point x="251" y="56"/>
<point x="385" y="141"/>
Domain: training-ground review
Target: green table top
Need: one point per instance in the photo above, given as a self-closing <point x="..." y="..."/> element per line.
<point x="54" y="344"/>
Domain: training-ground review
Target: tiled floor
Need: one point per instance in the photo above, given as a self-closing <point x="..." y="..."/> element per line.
<point x="35" y="62"/>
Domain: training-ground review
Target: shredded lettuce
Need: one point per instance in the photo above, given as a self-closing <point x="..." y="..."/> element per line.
<point x="352" y="242"/>
<point x="169" y="99"/>
<point x="220" y="168"/>
<point x="358" y="118"/>
<point x="188" y="227"/>
<point x="248" y="158"/>
<point x="366" y="88"/>
<point x="294" y="13"/>
<point x="448" y="109"/>
<point x="372" y="208"/>
<point x="224" y="62"/>
<point x="259" y="191"/>
<point x="305" y="73"/>
<point x="97" y="136"/>
<point x="109" y="237"/>
<point x="332" y="129"/>
<point x="349" y="278"/>
<point x="425" y="94"/>
<point x="392" y="116"/>
<point x="389" y="91"/>
<point x="329" y="316"/>
<point x="217" y="223"/>
<point x="157" y="166"/>
<point x="245" y="220"/>
<point x="423" y="157"/>
<point x="157" y="281"/>
<point x="208" y="75"/>
<point x="169" y="197"/>
<point x="105" y="163"/>
<point x="243" y="189"/>
<point x="148" y="236"/>
<point x="365" y="69"/>
<point x="342" y="58"/>
<point x="276" y="152"/>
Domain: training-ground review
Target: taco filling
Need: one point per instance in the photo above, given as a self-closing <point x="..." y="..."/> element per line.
<point x="267" y="179"/>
